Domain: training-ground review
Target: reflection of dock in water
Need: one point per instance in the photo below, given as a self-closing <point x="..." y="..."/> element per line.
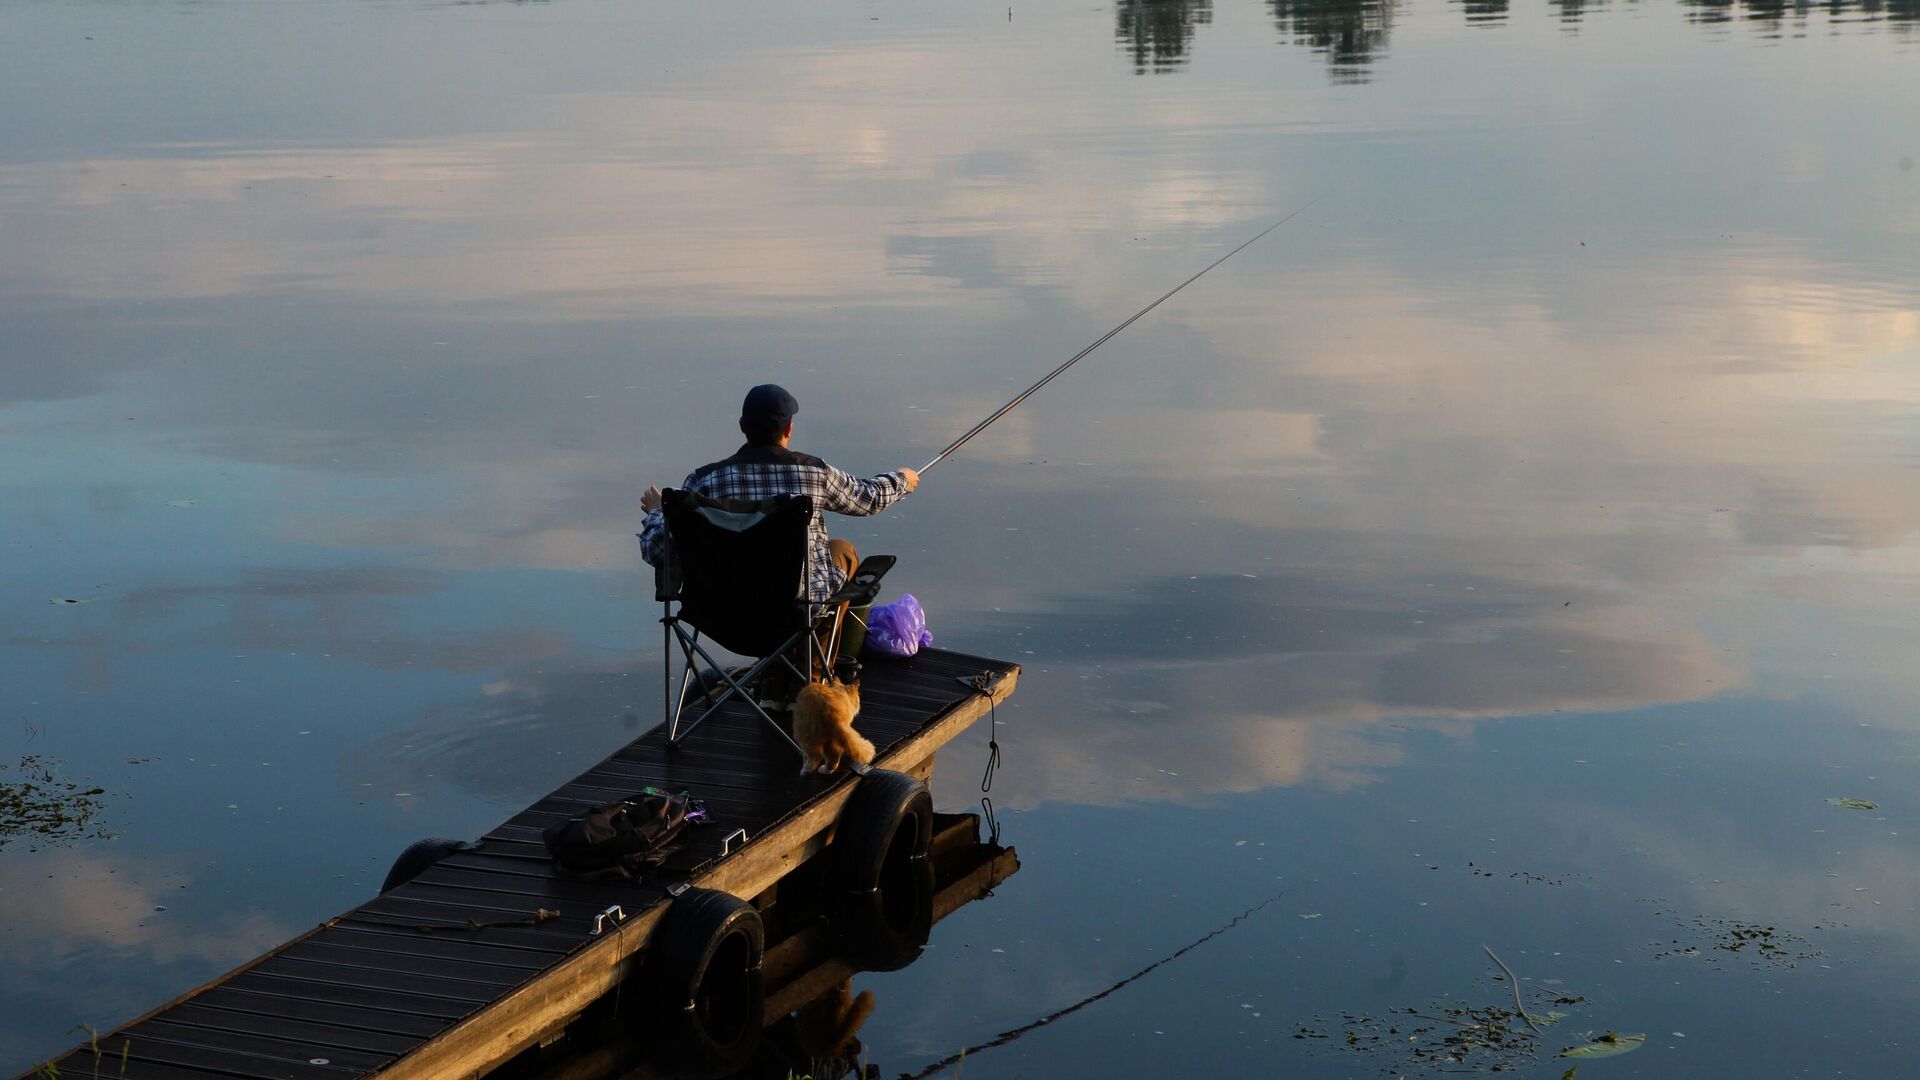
<point x="812" y="1016"/>
<point x="488" y="958"/>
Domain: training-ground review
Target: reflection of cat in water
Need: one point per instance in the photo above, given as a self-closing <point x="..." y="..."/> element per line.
<point x="824" y="1029"/>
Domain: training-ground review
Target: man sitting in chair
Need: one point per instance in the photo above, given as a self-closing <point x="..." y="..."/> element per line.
<point x="766" y="467"/>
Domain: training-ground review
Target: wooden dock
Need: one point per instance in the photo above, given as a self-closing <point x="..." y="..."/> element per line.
<point x="404" y="986"/>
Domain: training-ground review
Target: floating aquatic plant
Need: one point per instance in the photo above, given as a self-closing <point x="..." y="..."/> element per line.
<point x="42" y="804"/>
<point x="1612" y="1044"/>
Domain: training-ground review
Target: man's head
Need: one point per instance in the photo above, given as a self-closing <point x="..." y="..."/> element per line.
<point x="766" y="417"/>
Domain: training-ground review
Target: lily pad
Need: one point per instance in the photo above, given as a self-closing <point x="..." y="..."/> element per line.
<point x="1854" y="804"/>
<point x="1612" y="1044"/>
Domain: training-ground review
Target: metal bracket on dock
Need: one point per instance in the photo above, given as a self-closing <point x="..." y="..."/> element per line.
<point x="616" y="913"/>
<point x="726" y="845"/>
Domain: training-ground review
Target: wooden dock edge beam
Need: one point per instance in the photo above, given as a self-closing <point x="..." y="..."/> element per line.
<point x="538" y="1010"/>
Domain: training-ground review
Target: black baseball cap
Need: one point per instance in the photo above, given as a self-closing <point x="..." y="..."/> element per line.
<point x="769" y="403"/>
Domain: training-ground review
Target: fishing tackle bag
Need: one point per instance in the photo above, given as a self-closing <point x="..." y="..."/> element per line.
<point x="618" y="839"/>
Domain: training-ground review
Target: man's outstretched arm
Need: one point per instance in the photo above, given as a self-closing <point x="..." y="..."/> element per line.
<point x="858" y="497"/>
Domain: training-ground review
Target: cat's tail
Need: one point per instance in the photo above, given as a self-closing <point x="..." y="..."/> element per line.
<point x="857" y="1013"/>
<point x="859" y="748"/>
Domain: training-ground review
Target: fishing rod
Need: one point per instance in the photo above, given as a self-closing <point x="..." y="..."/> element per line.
<point x="1104" y="338"/>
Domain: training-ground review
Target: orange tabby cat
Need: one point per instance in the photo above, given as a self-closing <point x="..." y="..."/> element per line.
<point x="823" y="726"/>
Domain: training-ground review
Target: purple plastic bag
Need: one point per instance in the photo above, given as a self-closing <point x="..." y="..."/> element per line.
<point x="899" y="628"/>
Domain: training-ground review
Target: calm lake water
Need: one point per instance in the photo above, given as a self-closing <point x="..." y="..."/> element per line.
<point x="1518" y="549"/>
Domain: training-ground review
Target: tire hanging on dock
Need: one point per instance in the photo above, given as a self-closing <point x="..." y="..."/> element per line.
<point x="883" y="911"/>
<point x="418" y="858"/>
<point x="702" y="984"/>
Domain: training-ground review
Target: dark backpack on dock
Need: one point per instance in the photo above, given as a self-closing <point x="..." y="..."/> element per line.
<point x="617" y="839"/>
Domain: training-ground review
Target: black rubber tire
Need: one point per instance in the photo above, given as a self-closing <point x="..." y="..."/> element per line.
<point x="419" y="856"/>
<point x="884" y="910"/>
<point x="702" y="983"/>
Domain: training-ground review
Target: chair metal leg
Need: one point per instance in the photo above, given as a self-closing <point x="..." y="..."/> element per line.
<point x="667" y="704"/>
<point x="688" y="646"/>
<point x="680" y="698"/>
<point x="735" y="685"/>
<point x="693" y="653"/>
<point x="831" y="653"/>
<point x="674" y="705"/>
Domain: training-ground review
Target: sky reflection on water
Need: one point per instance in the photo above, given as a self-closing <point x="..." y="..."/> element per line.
<point x="1571" y="429"/>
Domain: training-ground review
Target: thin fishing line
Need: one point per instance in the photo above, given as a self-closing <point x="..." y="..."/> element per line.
<point x="1106" y="337"/>
<point x="1006" y="1037"/>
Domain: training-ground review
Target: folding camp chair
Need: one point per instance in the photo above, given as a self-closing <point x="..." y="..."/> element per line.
<point x="737" y="569"/>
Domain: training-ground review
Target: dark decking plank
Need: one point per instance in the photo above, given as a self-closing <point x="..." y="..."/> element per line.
<point x="405" y="919"/>
<point x="528" y="834"/>
<point x="942" y="661"/>
<point x="521" y="840"/>
<point x="454" y="988"/>
<point x="464" y="969"/>
<point x="652" y="770"/>
<point x="768" y="759"/>
<point x="505" y="849"/>
<point x="697" y="760"/>
<point x="736" y="727"/>
<point x="280" y="1004"/>
<point x="758" y="744"/>
<point x="192" y="1047"/>
<point x="890" y="714"/>
<point x="487" y="949"/>
<point x="82" y="1064"/>
<point x="571" y="896"/>
<point x="215" y="1021"/>
<point x="719" y="792"/>
<point x="486" y="907"/>
<point x="424" y="1006"/>
<point x="722" y="778"/>
<point x="420" y="953"/>
<point x="928" y="701"/>
<point x="406" y="913"/>
<point x="688" y="771"/>
<point x="586" y="794"/>
<point x="594" y="788"/>
<point x="547" y="891"/>
<point x="533" y="863"/>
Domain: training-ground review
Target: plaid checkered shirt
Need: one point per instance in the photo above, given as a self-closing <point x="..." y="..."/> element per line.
<point x="762" y="472"/>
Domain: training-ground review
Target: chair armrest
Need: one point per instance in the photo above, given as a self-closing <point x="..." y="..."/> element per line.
<point x="864" y="585"/>
<point x="666" y="576"/>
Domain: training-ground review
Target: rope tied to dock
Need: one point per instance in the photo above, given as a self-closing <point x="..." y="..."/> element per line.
<point x="983" y="685"/>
